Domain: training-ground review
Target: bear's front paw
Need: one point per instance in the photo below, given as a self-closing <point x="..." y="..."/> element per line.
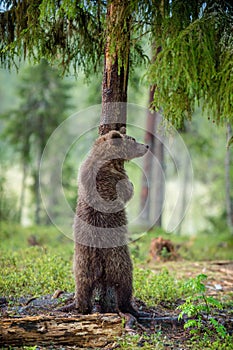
<point x="124" y="189"/>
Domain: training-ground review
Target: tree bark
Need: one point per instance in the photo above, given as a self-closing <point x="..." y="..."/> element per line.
<point x="229" y="204"/>
<point x="158" y="172"/>
<point x="153" y="173"/>
<point x="116" y="67"/>
<point x="148" y="161"/>
<point x="90" y="331"/>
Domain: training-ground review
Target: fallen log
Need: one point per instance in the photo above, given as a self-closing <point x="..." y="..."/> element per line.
<point x="89" y="331"/>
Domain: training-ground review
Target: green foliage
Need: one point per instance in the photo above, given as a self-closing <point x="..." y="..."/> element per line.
<point x="154" y="288"/>
<point x="210" y="344"/>
<point x="131" y="342"/>
<point x="67" y="33"/>
<point x="34" y="271"/>
<point x="195" y="64"/>
<point x="199" y="308"/>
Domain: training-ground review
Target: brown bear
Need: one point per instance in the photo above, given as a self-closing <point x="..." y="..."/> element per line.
<point x="102" y="264"/>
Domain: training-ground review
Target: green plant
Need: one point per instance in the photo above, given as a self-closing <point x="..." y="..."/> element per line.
<point x="153" y="287"/>
<point x="34" y="271"/>
<point x="137" y="341"/>
<point x="165" y="253"/>
<point x="209" y="344"/>
<point x="199" y="308"/>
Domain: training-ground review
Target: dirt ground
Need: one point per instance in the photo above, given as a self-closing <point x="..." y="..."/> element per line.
<point x="220" y="273"/>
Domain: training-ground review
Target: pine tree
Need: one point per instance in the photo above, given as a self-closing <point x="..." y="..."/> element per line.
<point x="43" y="102"/>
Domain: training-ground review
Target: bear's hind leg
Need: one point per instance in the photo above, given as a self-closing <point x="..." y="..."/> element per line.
<point x="124" y="299"/>
<point x="83" y="300"/>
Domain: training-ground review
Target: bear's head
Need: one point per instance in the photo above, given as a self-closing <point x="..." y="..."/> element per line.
<point x="116" y="145"/>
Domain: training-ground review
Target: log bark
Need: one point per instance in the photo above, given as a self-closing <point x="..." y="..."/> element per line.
<point x="90" y="331"/>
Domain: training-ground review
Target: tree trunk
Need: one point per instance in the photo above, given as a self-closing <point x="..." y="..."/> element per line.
<point x="90" y="331"/>
<point x="185" y="185"/>
<point x="23" y="190"/>
<point x="229" y="204"/>
<point x="153" y="172"/>
<point x="158" y="177"/>
<point x="156" y="150"/>
<point x="148" y="161"/>
<point x="116" y="67"/>
<point x="37" y="191"/>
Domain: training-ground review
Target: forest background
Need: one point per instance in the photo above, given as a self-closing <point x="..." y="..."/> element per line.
<point x="36" y="258"/>
<point x="205" y="141"/>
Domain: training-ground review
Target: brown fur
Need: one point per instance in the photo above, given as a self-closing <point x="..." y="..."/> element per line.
<point x="102" y="264"/>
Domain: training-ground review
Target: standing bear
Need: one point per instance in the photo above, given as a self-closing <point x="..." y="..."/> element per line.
<point x="102" y="264"/>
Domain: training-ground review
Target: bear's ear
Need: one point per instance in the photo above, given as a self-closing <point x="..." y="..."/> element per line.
<point x="116" y="135"/>
<point x="100" y="140"/>
<point x="123" y="130"/>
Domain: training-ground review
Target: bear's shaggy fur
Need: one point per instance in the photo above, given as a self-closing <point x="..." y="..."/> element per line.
<point x="102" y="264"/>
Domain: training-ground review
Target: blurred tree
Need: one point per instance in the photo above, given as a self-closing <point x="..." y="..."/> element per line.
<point x="43" y="102"/>
<point x="153" y="174"/>
<point x="152" y="190"/>
<point x="229" y="199"/>
<point x="149" y="138"/>
<point x="8" y="199"/>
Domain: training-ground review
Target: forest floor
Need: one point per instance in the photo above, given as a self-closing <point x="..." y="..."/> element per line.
<point x="32" y="273"/>
<point x="163" y="330"/>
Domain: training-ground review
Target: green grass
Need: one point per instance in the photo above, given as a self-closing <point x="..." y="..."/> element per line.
<point x="14" y="237"/>
<point x="154" y="288"/>
<point x="132" y="342"/>
<point x="34" y="271"/>
<point x="39" y="270"/>
<point x="47" y="267"/>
